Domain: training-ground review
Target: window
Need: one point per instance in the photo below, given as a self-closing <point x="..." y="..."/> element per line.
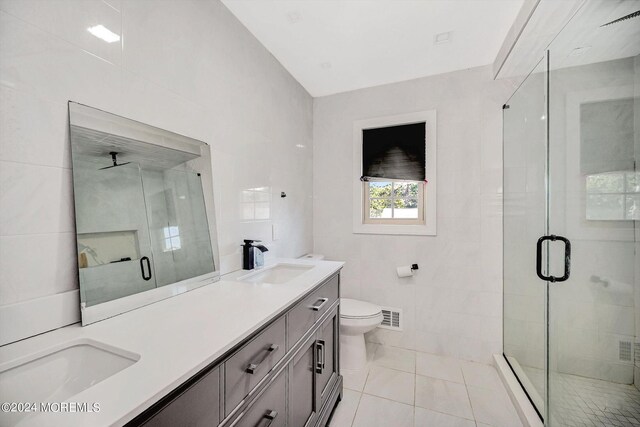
<point x="171" y="239"/>
<point x="395" y="175"/>
<point x="613" y="196"/>
<point x="398" y="202"/>
<point x="256" y="204"/>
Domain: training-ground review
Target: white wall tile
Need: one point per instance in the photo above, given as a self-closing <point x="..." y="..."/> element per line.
<point x="35" y="199"/>
<point x="36" y="265"/>
<point x="69" y="21"/>
<point x="186" y="66"/>
<point x="33" y="130"/>
<point x="33" y="61"/>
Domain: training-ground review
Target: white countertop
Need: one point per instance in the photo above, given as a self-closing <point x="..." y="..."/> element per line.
<point x="175" y="339"/>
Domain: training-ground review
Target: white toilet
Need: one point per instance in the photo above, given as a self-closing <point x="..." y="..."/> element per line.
<point x="356" y="319"/>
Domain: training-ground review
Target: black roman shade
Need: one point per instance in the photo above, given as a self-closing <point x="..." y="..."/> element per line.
<point x="394" y="152"/>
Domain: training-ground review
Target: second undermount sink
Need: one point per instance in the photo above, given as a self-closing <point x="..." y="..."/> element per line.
<point x="276" y="274"/>
<point x="56" y="374"/>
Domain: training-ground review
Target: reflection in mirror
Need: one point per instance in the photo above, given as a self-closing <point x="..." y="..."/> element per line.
<point x="144" y="212"/>
<point x="612" y="186"/>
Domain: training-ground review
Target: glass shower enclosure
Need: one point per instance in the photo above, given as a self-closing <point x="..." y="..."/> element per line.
<point x="571" y="222"/>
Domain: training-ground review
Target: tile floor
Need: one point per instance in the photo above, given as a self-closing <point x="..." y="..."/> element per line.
<point x="583" y="401"/>
<point x="404" y="388"/>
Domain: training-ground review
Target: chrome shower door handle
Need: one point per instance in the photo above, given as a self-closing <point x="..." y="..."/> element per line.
<point x="567" y="258"/>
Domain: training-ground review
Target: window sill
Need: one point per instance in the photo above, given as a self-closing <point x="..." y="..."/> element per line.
<point x="395" y="229"/>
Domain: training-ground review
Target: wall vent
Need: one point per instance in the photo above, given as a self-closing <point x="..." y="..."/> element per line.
<point x="392" y="318"/>
<point x="624" y="352"/>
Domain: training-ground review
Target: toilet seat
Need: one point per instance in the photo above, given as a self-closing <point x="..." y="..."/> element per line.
<point x="354" y="309"/>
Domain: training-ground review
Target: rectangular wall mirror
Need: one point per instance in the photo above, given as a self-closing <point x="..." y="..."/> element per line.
<point x="145" y="222"/>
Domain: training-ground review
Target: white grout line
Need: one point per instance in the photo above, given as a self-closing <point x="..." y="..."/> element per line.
<point x="353" y="418"/>
<point x="466" y="387"/>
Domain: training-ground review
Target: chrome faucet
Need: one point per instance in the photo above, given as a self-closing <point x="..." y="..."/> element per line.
<point x="252" y="254"/>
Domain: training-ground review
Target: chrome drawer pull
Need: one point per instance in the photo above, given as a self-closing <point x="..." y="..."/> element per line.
<point x="253" y="367"/>
<point x="271" y="415"/>
<point x="319" y="306"/>
<point x="320" y="356"/>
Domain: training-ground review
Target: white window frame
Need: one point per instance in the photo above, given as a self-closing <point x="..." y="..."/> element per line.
<point x="361" y="195"/>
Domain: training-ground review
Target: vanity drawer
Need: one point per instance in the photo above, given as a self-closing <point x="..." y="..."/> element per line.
<point x="302" y="317"/>
<point x="199" y="405"/>
<point x="269" y="409"/>
<point x="245" y="369"/>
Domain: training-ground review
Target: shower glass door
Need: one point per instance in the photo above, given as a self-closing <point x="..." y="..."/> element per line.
<point x="114" y="248"/>
<point x="525" y="205"/>
<point x="571" y="151"/>
<point x="178" y="226"/>
<point x="594" y="201"/>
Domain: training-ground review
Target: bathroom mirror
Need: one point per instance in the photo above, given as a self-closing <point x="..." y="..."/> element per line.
<point x="144" y="210"/>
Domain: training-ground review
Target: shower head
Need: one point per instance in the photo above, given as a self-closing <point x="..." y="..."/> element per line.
<point x="115" y="161"/>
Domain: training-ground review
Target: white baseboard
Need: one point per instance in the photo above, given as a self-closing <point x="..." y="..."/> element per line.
<point x="28" y="318"/>
<point x="525" y="409"/>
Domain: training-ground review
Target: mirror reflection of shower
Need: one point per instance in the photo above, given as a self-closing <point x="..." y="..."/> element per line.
<point x="143" y="221"/>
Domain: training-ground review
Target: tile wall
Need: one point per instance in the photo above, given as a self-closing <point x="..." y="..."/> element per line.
<point x="453" y="305"/>
<point x="187" y="66"/>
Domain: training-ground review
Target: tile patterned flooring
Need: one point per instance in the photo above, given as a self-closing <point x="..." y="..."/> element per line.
<point x="404" y="388"/>
<point x="589" y="402"/>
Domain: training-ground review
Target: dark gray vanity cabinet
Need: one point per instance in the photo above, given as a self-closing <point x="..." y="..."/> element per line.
<point x="269" y="409"/>
<point x="285" y="375"/>
<point x="313" y="375"/>
<point x="304" y="315"/>
<point x="246" y="368"/>
<point x="303" y="405"/>
<point x="327" y="357"/>
<point x="197" y="405"/>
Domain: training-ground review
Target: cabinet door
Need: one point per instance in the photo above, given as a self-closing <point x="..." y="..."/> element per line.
<point x="198" y="406"/>
<point x="327" y="358"/>
<point x="302" y="391"/>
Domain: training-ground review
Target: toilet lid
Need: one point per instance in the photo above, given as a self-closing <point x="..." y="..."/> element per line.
<point x="354" y="309"/>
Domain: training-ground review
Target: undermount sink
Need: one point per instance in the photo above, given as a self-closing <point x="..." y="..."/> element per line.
<point x="276" y="274"/>
<point x="58" y="373"/>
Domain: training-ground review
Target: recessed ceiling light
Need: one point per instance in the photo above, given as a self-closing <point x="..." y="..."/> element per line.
<point x="300" y="146"/>
<point x="441" y="38"/>
<point x="579" y="51"/>
<point x="101" y="32"/>
<point x="294" y="17"/>
<point x="325" y="65"/>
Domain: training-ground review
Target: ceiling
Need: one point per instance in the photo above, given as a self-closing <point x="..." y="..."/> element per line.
<point x="574" y="33"/>
<point x="333" y="46"/>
